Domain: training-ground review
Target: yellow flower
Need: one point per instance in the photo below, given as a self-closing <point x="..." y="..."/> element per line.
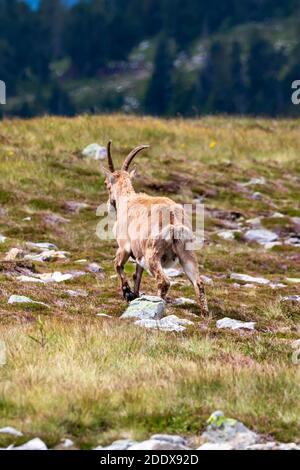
<point x="11" y="153"/>
<point x="212" y="144"/>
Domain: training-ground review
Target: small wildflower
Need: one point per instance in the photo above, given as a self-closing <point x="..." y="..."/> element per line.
<point x="212" y="144"/>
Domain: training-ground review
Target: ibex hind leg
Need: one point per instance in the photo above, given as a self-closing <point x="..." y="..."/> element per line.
<point x="155" y="267"/>
<point x="189" y="264"/>
<point x="121" y="259"/>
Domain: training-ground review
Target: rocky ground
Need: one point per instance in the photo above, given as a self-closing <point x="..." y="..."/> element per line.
<point x="76" y="354"/>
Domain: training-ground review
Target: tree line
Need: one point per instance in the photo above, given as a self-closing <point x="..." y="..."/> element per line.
<point x="233" y="77"/>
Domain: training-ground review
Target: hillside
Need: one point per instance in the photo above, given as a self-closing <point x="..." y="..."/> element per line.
<point x="71" y="373"/>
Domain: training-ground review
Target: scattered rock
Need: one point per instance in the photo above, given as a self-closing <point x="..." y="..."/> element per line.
<point x="54" y="219"/>
<point x="184" y="301"/>
<point x="246" y="278"/>
<point x="74" y="206"/>
<point x="122" y="444"/>
<point x="47" y="255"/>
<point x="215" y="446"/>
<point x="293" y="280"/>
<point x="34" y="444"/>
<point x="227" y="234"/>
<point x="169" y="323"/>
<point x="94" y="152"/>
<point x="294" y="241"/>
<point x="76" y="293"/>
<point x="171" y="272"/>
<point x="42" y="246"/>
<point x="95" y="268"/>
<point x="291" y="298"/>
<point x="14" y="253"/>
<point x="255" y="181"/>
<point x="207" y="280"/>
<point x="229" y="323"/>
<point x="169" y="438"/>
<point x="154" y="444"/>
<point x="67" y="443"/>
<point x="146" y="307"/>
<point x="260" y="236"/>
<point x="257" y="196"/>
<point x="47" y="277"/>
<point x="222" y="430"/>
<point x="20" y="299"/>
<point x="11" y="431"/>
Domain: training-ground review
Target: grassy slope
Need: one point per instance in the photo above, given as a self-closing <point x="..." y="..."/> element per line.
<point x="98" y="379"/>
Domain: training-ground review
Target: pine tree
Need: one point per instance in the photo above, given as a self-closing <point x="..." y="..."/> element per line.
<point x="159" y="92"/>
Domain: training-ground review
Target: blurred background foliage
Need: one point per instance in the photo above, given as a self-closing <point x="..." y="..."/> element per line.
<point x="160" y="57"/>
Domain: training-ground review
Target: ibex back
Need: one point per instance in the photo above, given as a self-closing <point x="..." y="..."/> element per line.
<point x="154" y="231"/>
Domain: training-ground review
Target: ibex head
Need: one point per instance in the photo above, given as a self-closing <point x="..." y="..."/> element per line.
<point x="119" y="181"/>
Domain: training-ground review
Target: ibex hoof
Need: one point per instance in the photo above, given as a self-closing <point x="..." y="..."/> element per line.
<point x="128" y="294"/>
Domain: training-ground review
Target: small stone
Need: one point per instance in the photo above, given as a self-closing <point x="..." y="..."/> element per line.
<point x="26" y="219"/>
<point x="74" y="206"/>
<point x="257" y="196"/>
<point x="169" y="323"/>
<point x="94" y="268"/>
<point x="227" y="234"/>
<point x="207" y="280"/>
<point x="2" y="238"/>
<point x="184" y="301"/>
<point x="146" y="307"/>
<point x="103" y="315"/>
<point x="14" y="253"/>
<point x="293" y="280"/>
<point x="11" y="431"/>
<point x="34" y="444"/>
<point x="171" y="272"/>
<point x="291" y="298"/>
<point x="153" y="444"/>
<point x="47" y="255"/>
<point x="231" y="324"/>
<point x="260" y="236"/>
<point x="76" y="293"/>
<point x="169" y="438"/>
<point x="20" y="299"/>
<point x="42" y="246"/>
<point x="246" y="278"/>
<point x="94" y="152"/>
<point x="215" y="446"/>
<point x="54" y="219"/>
<point x="122" y="444"/>
<point x="67" y="443"/>
<point x="255" y="181"/>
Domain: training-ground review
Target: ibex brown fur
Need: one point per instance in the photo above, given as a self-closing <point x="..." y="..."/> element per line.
<point x="153" y="248"/>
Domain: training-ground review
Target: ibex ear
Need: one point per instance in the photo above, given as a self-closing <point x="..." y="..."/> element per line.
<point x="108" y="174"/>
<point x="133" y="173"/>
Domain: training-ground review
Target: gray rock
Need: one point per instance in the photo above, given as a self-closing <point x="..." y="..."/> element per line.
<point x="169" y="438"/>
<point x="169" y="323"/>
<point x="74" y="206"/>
<point x="227" y="234"/>
<point x="11" y="431"/>
<point x="146" y="307"/>
<point x="154" y="444"/>
<point x="184" y="301"/>
<point x="215" y="446"/>
<point x="94" y="268"/>
<point x="2" y="238"/>
<point x="14" y="253"/>
<point x="34" y="444"/>
<point x="20" y="299"/>
<point x="255" y="181"/>
<point x="122" y="444"/>
<point x="76" y="293"/>
<point x="67" y="443"/>
<point x="42" y="246"/>
<point x="228" y="431"/>
<point x="47" y="255"/>
<point x="94" y="152"/>
<point x="251" y="279"/>
<point x="261" y="236"/>
<point x="55" y="219"/>
<point x="291" y="298"/>
<point x="231" y="324"/>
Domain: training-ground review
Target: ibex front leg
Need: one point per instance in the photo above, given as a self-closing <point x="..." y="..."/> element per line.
<point x="122" y="257"/>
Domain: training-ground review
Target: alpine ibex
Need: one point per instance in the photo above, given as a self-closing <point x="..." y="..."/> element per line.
<point x="151" y="230"/>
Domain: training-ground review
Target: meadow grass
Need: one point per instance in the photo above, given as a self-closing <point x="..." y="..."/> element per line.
<point x="97" y="379"/>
